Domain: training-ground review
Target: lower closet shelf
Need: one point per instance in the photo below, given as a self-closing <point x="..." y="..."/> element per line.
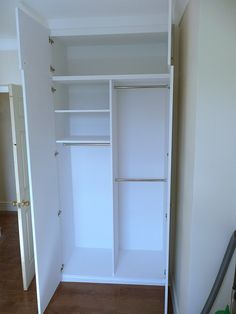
<point x="88" y="265"/>
<point x="134" y="267"/>
<point x="141" y="267"/>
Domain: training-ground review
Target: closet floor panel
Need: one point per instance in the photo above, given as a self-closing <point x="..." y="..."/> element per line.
<point x="141" y="267"/>
<point x="88" y="265"/>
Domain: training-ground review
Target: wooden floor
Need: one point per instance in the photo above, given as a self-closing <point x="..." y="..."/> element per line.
<point x="69" y="297"/>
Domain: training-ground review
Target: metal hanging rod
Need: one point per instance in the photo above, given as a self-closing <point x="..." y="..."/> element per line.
<point x="86" y="144"/>
<point x="141" y="86"/>
<point x="140" y="180"/>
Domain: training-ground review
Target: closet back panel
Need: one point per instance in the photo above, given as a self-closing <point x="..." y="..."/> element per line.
<point x="89" y="96"/>
<point x="141" y="132"/>
<point x="117" y="59"/>
<point x="141" y="216"/>
<point x="87" y="124"/>
<point x="92" y="194"/>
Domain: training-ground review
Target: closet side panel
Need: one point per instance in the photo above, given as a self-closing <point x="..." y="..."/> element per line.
<point x="35" y="56"/>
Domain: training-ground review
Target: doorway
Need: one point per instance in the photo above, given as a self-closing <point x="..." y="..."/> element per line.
<point x="15" y="212"/>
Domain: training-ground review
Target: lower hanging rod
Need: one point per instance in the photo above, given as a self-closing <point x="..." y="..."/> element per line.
<point x="141" y="86"/>
<point x="140" y="180"/>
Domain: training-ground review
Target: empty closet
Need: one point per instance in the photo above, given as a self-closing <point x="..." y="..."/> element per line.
<point x="98" y="123"/>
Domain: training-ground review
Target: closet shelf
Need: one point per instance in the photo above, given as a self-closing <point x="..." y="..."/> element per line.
<point x="85" y="140"/>
<point x="84" y="111"/>
<point x="69" y="79"/>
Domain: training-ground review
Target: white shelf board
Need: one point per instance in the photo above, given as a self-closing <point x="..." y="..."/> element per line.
<point x="85" y="140"/>
<point x="132" y="78"/>
<point x="134" y="267"/>
<point x="113" y="39"/>
<point x="141" y="267"/>
<point x="4" y="89"/>
<point x="84" y="111"/>
<point x="88" y="265"/>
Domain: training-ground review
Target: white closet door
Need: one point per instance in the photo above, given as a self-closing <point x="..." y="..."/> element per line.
<point x="22" y="185"/>
<point x="168" y="188"/>
<point x="35" y="57"/>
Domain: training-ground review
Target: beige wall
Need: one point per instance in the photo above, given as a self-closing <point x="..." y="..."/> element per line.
<point x="188" y="40"/>
<point x="207" y="163"/>
<point x="9" y="67"/>
<point x="7" y="178"/>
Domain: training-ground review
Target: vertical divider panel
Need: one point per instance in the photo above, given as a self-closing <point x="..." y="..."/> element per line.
<point x="168" y="183"/>
<point x="114" y="163"/>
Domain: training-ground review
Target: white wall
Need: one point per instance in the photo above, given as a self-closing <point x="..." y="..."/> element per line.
<point x="207" y="189"/>
<point x="9" y="67"/>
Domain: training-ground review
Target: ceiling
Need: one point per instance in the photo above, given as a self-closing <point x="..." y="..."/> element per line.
<point x="67" y="9"/>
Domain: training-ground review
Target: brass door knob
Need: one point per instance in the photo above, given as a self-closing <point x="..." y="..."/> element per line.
<point x="21" y="204"/>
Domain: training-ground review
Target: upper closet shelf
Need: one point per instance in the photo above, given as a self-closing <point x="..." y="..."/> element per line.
<point x="147" y="78"/>
<point x="84" y="111"/>
<point x="85" y="140"/>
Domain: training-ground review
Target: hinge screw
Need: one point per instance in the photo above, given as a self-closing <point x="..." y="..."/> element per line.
<point x="51" y="41"/>
<point x="59" y="212"/>
<point x="52" y="69"/>
<point x="53" y="89"/>
<point x="56" y="153"/>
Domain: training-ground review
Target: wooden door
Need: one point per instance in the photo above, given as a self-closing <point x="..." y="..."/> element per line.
<point x="35" y="58"/>
<point x="22" y="184"/>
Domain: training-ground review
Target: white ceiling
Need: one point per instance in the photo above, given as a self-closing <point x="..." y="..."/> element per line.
<point x="66" y="9"/>
<point x="81" y="9"/>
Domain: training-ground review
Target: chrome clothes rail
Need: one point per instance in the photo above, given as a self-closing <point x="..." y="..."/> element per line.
<point x="86" y="144"/>
<point x="120" y="180"/>
<point x="141" y="86"/>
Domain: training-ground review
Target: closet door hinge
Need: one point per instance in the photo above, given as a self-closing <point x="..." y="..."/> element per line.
<point x="53" y="89"/>
<point x="165" y="272"/>
<point x="50" y="40"/>
<point x="59" y="212"/>
<point x="62" y="267"/>
<point x="52" y="69"/>
<point x="166" y="215"/>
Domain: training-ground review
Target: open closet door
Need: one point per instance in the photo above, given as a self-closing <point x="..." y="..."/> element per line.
<point x="35" y="57"/>
<point x="22" y="185"/>
<point x="168" y="189"/>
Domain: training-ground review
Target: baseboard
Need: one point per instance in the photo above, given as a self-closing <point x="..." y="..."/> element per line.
<point x="174" y="297"/>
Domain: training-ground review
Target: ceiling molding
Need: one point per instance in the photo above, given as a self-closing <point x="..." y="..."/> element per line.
<point x="179" y="9"/>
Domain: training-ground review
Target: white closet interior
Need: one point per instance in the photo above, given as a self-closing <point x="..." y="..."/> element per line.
<point x="111" y="102"/>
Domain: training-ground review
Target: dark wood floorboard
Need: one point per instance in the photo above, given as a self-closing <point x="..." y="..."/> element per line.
<point x="77" y="298"/>
<point x="13" y="299"/>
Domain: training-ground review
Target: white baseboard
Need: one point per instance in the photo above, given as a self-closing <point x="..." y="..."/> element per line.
<point x="174" y="297"/>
